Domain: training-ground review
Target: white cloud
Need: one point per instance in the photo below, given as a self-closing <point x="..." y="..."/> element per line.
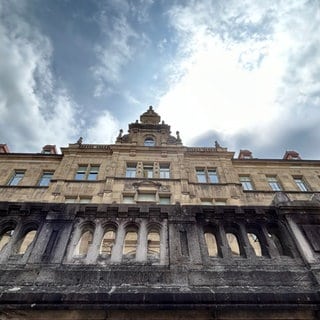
<point x="104" y="130"/>
<point x="243" y="66"/>
<point x="32" y="111"/>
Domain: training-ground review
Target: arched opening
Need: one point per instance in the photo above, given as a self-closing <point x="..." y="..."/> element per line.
<point x="233" y="244"/>
<point x="84" y="243"/>
<point x="255" y="243"/>
<point x="211" y="243"/>
<point x="130" y="244"/>
<point x="153" y="239"/>
<point x="6" y="237"/>
<point x="277" y="238"/>
<point x="27" y="241"/>
<point x="107" y="242"/>
<point x="149" y="142"/>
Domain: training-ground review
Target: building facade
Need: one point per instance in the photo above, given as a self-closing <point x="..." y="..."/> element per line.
<point x="148" y="228"/>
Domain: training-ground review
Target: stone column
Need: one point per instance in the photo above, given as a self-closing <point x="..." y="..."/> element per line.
<point x="141" y="254"/>
<point x="116" y="255"/>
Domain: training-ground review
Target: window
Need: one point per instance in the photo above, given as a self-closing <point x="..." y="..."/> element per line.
<point x="93" y="173"/>
<point x="301" y="184"/>
<point x="274" y="183"/>
<point x="87" y="172"/>
<point x="246" y="183"/>
<point x="83" y="244"/>
<point x="148" y="171"/>
<point x="45" y="179"/>
<point x="147" y="197"/>
<point x="16" y="178"/>
<point x="131" y="170"/>
<point x="128" y="199"/>
<point x="164" y="171"/>
<point x="149" y="142"/>
<point x="78" y="199"/>
<point x="27" y="241"/>
<point x="201" y="175"/>
<point x="164" y="199"/>
<point x="211" y="243"/>
<point x="107" y="242"/>
<point x="205" y="175"/>
<point x="220" y="202"/>
<point x="206" y="202"/>
<point x="212" y="175"/>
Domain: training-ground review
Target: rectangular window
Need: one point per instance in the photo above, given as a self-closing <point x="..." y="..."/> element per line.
<point x="206" y="202"/>
<point x="147" y="197"/>
<point x="301" y="184"/>
<point x="246" y="183"/>
<point x="87" y="172"/>
<point x="45" y="179"/>
<point x="131" y="170"/>
<point x="274" y="183"/>
<point x="93" y="173"/>
<point x="164" y="200"/>
<point x="212" y="175"/>
<point x="16" y="178"/>
<point x="201" y="175"/>
<point x="205" y="175"/>
<point x="164" y="171"/>
<point x="78" y="199"/>
<point x="128" y="199"/>
<point x="70" y="200"/>
<point x="148" y="171"/>
<point x="85" y="199"/>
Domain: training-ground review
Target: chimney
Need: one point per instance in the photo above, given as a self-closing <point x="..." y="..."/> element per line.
<point x="4" y="148"/>
<point x="49" y="149"/>
<point x="245" y="154"/>
<point x="291" y="155"/>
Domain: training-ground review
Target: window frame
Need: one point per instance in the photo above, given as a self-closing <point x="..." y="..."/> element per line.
<point x="45" y="181"/>
<point x="207" y="175"/>
<point x="247" y="184"/>
<point x="164" y="171"/>
<point x="87" y="171"/>
<point x="16" y="177"/>
<point x="131" y="170"/>
<point x="274" y="183"/>
<point x="301" y="183"/>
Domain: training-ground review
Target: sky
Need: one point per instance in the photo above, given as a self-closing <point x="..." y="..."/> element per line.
<point x="245" y="73"/>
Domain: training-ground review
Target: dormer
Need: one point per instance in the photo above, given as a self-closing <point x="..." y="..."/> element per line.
<point x="149" y="132"/>
<point x="49" y="149"/>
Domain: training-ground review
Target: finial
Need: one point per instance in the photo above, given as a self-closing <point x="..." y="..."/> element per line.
<point x="80" y="140"/>
<point x="216" y="144"/>
<point x="178" y="137"/>
<point x="162" y="122"/>
<point x="150" y="108"/>
<point x="120" y="133"/>
<point x="137" y="121"/>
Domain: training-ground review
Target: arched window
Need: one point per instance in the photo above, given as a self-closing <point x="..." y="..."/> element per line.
<point x="130" y="244"/>
<point x="5" y="237"/>
<point x="107" y="242"/>
<point x="211" y="243"/>
<point x="233" y="243"/>
<point x="84" y="243"/>
<point x="153" y="244"/>
<point x="149" y="142"/>
<point x="27" y="241"/>
<point x="255" y="243"/>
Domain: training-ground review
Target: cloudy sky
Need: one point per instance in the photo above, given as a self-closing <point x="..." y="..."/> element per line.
<point x="245" y="73"/>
